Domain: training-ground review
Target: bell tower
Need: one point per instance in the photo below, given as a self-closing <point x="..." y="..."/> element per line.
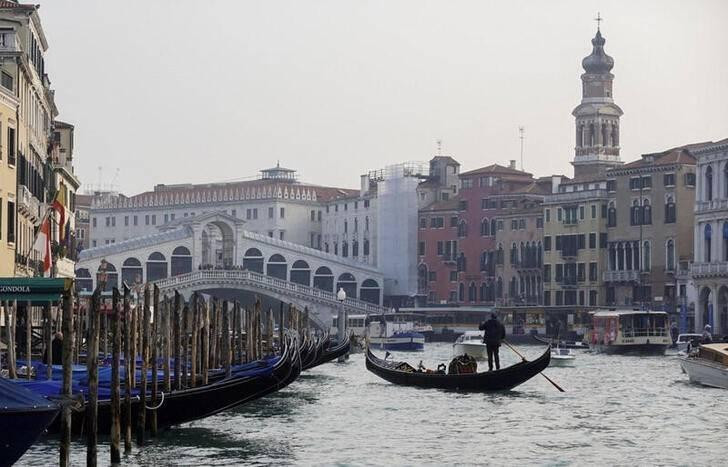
<point x="597" y="117"/>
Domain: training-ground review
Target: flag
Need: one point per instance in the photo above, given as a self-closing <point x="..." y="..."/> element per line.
<point x="43" y="244"/>
<point x="59" y="205"/>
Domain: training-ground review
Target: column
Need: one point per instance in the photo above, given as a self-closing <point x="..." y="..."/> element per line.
<point x="716" y="312"/>
<point x="699" y="310"/>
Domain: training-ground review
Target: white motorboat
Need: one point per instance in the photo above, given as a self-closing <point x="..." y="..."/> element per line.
<point x="708" y="365"/>
<point x="471" y="343"/>
<point x="686" y="342"/>
<point x="562" y="357"/>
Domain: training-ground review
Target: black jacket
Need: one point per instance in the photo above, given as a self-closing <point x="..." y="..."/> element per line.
<point x="495" y="332"/>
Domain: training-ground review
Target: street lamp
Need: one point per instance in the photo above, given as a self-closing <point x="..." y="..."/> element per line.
<point x="341" y="328"/>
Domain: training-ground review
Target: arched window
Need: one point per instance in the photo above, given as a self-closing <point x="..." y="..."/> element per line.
<point x="513" y="289"/>
<point x="707" y="243"/>
<point x="669" y="210"/>
<point x="646" y="212"/>
<point x="628" y="256"/>
<point x="500" y="255"/>
<point x="462" y="263"/>
<point x="366" y="247"/>
<point x="156" y="267"/>
<point x="493" y="225"/>
<point x="461" y="292"/>
<point x="647" y="260"/>
<point x="356" y="224"/>
<point x="580" y="135"/>
<point x="422" y="278"/>
<point x="612" y="215"/>
<point x="709" y="183"/>
<point x="323" y="279"/>
<point x="725" y="240"/>
<point x="370" y="291"/>
<point x="522" y="257"/>
<point x="539" y="254"/>
<point x="366" y="223"/>
<point x="84" y="282"/>
<point x="301" y="272"/>
<point x="635" y="213"/>
<point x="484" y="228"/>
<point x="253" y="260"/>
<point x="355" y="248"/>
<point x="670" y="255"/>
<point x="347" y="281"/>
<point x="132" y="271"/>
<point x="514" y="254"/>
<point x="615" y="135"/>
<point x="462" y="229"/>
<point x="181" y="262"/>
<point x="277" y="267"/>
<point x="592" y="135"/>
<point x="605" y="135"/>
<point x="472" y="297"/>
<point x="499" y="288"/>
<point x="344" y="249"/>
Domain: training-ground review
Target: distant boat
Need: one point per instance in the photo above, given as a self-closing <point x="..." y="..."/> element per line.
<point x="684" y="343"/>
<point x="708" y="366"/>
<point x="564" y="344"/>
<point x="562" y="357"/>
<point x="630" y="332"/>
<point x="470" y="343"/>
<point x="394" y="332"/>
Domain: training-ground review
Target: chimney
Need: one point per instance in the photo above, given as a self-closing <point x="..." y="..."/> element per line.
<point x="512" y="165"/>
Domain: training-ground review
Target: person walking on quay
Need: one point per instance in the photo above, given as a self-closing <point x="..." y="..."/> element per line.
<point x="494" y="333"/>
<point x="707" y="337"/>
<point x="57" y="347"/>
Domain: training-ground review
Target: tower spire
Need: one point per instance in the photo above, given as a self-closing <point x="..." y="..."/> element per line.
<point x="598" y="19"/>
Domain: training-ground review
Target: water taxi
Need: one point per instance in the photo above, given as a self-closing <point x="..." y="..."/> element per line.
<point x="562" y="357"/>
<point x="630" y="332"/>
<point x="394" y="331"/>
<point x="708" y="365"/>
<point x="470" y="343"/>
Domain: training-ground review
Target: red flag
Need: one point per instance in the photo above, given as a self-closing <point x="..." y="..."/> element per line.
<point x="43" y="244"/>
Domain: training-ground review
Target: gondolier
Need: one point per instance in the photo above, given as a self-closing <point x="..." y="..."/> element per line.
<point x="494" y="333"/>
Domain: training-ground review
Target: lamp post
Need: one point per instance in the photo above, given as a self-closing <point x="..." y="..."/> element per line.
<point x="341" y="328"/>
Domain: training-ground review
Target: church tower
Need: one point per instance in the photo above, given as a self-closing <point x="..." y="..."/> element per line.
<point x="597" y="117"/>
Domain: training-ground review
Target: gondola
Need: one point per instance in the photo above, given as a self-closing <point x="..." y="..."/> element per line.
<point x="562" y="343"/>
<point x="333" y="352"/>
<point x="191" y="404"/>
<point x="24" y="416"/>
<point x="499" y="380"/>
<point x="313" y="351"/>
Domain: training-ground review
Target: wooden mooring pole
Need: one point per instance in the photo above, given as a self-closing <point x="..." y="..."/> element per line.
<point x="205" y="342"/>
<point x="67" y="356"/>
<point x="225" y="347"/>
<point x="176" y="326"/>
<point x="166" y="344"/>
<point x="115" y="394"/>
<point x="128" y="356"/>
<point x="153" y="363"/>
<point x="142" y="412"/>
<point x="92" y="366"/>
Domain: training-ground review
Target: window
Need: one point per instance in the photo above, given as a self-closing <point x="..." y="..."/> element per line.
<point x="234" y="213"/>
<point x="423" y="222"/>
<point x="346" y="226"/>
<point x="514" y="224"/>
<point x="690" y="179"/>
<point x="602" y="240"/>
<point x="126" y="221"/>
<point x="668" y="179"/>
<point x="453" y="276"/>
<point x="432" y="276"/>
<point x="592" y="298"/>
<point x="437" y="222"/>
<point x="108" y="221"/>
<point x="647" y="261"/>
<point x="154" y="219"/>
<point x="709" y="183"/>
<point x="11" y="146"/>
<point x="453" y="221"/>
<point x="548" y="215"/>
<point x="146" y="219"/>
<point x="356" y="204"/>
<point x="547" y="273"/>
<point x="559" y="272"/>
<point x="439" y="247"/>
<point x="581" y="297"/>
<point x="559" y="215"/>
<point x="581" y="272"/>
<point x="7" y="80"/>
<point x="634" y="183"/>
<point x="421" y="248"/>
<point x="11" y="222"/>
<point x="593" y="211"/>
<point x="592" y="240"/>
<point x="670" y="255"/>
<point x="366" y="247"/>
<point x="611" y="186"/>
<point x="521" y="224"/>
<point x="136" y="221"/>
<point x="581" y="213"/>
<point x="462" y="229"/>
<point x="500" y="225"/>
<point x="647" y="182"/>
<point x="166" y="218"/>
<point x="466" y="183"/>
<point x="547" y="298"/>
<point x="271" y="212"/>
<point x="484" y="228"/>
<point x="248" y="213"/>
<point x="463" y="205"/>
<point x="708" y="234"/>
<point x="283" y="213"/>
<point x="669" y="210"/>
<point x="559" y="297"/>
<point x="539" y="222"/>
<point x="611" y="215"/>
<point x="547" y="243"/>
<point x="592" y="271"/>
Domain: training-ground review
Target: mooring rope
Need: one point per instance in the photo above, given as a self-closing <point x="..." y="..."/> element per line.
<point x="158" y="406"/>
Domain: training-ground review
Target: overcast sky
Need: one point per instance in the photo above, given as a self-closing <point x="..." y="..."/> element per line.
<point x="197" y="91"/>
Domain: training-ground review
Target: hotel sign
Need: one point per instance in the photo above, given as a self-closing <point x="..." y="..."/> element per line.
<point x="33" y="289"/>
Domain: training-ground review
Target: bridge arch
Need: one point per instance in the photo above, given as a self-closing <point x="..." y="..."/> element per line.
<point x="301" y="272"/>
<point x="277" y="267"/>
<point x="181" y="261"/>
<point x="323" y="279"/>
<point x="370" y="291"/>
<point x="156" y="266"/>
<point x="218" y="244"/>
<point x="132" y="271"/>
<point x="347" y="281"/>
<point x="253" y="260"/>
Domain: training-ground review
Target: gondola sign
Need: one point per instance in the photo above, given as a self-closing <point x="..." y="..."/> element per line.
<point x="33" y="289"/>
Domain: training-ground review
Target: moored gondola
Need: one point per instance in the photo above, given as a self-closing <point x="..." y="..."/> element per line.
<point x="499" y="380"/>
<point x="333" y="352"/>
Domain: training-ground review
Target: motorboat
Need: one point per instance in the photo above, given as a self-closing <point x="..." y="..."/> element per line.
<point x="562" y="357"/>
<point x="685" y="343"/>
<point x="708" y="365"/>
<point x="394" y="332"/>
<point x="470" y="343"/>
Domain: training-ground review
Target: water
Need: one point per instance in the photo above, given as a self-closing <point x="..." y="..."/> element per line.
<point x="617" y="410"/>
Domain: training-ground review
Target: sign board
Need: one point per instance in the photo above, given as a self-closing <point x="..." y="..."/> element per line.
<point x="33" y="289"/>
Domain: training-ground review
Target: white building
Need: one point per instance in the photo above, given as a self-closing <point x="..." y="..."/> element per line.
<point x="710" y="267"/>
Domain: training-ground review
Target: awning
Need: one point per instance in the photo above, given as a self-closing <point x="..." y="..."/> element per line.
<point x="34" y="289"/>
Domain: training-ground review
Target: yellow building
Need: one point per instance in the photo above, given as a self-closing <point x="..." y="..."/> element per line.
<point x="8" y="174"/>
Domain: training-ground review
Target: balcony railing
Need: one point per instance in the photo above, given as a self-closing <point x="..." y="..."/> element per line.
<point x="709" y="269"/>
<point x="712" y="205"/>
<point x="28" y="202"/>
<point x="621" y="276"/>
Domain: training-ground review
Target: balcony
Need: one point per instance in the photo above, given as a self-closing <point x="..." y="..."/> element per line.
<point x="621" y="276"/>
<point x="28" y="204"/>
<point x="709" y="206"/>
<point x="704" y="270"/>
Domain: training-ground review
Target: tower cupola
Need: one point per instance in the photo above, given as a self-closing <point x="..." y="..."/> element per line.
<point x="598" y="62"/>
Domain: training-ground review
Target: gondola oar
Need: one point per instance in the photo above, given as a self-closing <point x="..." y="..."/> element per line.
<point x="524" y="359"/>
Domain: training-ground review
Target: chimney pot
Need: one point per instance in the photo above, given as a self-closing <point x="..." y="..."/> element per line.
<point x="513" y="164"/>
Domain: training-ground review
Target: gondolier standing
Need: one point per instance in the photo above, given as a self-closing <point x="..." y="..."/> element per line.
<point x="494" y="333"/>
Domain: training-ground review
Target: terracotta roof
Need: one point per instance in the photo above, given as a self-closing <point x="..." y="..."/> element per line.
<point x="84" y="200"/>
<point x="20" y="6"/>
<point x="446" y="158"/>
<point x="497" y="169"/>
<point x="680" y="155"/>
<point x="449" y="205"/>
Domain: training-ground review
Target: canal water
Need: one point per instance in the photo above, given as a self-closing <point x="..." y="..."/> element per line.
<point x="617" y="410"/>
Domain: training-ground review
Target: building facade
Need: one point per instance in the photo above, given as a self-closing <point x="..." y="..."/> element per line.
<point x="709" y="270"/>
<point x="8" y="179"/>
<point x="650" y="229"/>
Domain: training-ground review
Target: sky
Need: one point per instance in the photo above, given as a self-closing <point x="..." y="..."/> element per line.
<point x="182" y="91"/>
